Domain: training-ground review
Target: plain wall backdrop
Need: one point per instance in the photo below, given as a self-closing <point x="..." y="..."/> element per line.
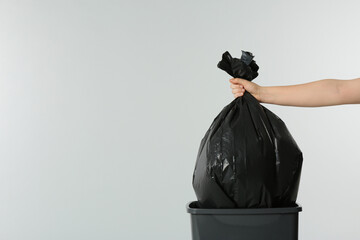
<point x="103" y="105"/>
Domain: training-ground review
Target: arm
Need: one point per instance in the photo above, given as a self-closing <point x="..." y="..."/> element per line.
<point x="324" y="92"/>
<point x="319" y="93"/>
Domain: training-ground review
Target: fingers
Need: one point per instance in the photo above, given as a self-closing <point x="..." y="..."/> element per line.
<point x="233" y="80"/>
<point x="237" y="80"/>
<point x="238" y="95"/>
<point x="238" y="90"/>
<point x="236" y="86"/>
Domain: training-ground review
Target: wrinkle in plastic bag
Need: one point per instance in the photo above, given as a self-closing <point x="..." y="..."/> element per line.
<point x="247" y="158"/>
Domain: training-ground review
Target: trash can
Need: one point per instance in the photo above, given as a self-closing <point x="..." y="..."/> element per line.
<point x="244" y="223"/>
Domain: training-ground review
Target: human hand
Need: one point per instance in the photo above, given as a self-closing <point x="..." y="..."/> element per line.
<point x="239" y="86"/>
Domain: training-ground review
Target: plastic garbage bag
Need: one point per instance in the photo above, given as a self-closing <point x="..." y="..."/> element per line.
<point x="247" y="158"/>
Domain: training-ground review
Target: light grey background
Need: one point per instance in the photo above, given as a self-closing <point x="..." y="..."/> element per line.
<point x="103" y="105"/>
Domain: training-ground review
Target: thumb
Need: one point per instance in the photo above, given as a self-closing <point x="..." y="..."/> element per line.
<point x="238" y="81"/>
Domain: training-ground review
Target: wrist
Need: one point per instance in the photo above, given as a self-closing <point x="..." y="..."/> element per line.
<point x="264" y="95"/>
<point x="261" y="93"/>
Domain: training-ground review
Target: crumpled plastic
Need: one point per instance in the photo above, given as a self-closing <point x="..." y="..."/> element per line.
<point x="247" y="158"/>
<point x="245" y="67"/>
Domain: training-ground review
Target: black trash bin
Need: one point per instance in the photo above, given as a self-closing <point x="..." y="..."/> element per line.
<point x="244" y="223"/>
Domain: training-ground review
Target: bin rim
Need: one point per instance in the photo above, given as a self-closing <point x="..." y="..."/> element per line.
<point x="241" y="211"/>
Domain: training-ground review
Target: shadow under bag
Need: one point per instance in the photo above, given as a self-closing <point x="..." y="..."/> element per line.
<point x="247" y="158"/>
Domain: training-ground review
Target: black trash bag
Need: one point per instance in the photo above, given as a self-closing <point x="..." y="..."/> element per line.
<point x="247" y="158"/>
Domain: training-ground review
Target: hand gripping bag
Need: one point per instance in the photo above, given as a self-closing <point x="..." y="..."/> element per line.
<point x="247" y="158"/>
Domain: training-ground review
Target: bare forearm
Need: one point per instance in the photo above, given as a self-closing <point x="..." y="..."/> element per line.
<point x="324" y="92"/>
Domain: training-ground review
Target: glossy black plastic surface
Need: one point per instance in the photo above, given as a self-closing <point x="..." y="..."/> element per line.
<point x="248" y="223"/>
<point x="247" y="158"/>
